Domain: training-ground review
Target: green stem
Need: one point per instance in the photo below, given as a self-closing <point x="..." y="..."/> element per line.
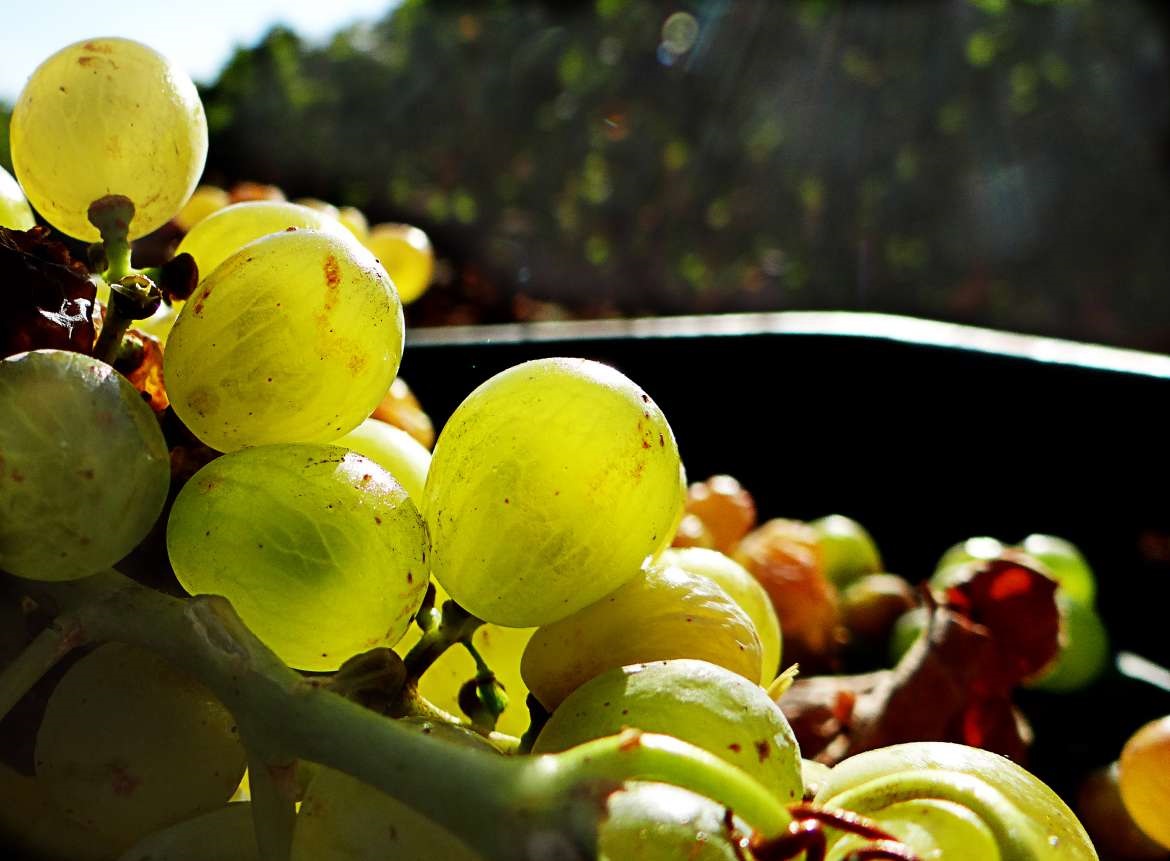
<point x="38" y="657"/>
<point x="273" y="804"/>
<point x="457" y="625"/>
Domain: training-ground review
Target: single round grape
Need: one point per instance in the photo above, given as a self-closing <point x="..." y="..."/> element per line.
<point x="84" y="468"/>
<point x="1143" y="773"/>
<point x="1066" y="564"/>
<point x="908" y="628"/>
<point x="659" y="822"/>
<point x="224" y="232"/>
<point x="957" y="556"/>
<point x="695" y="701"/>
<point x="500" y="648"/>
<point x="205" y="200"/>
<point x="394" y="450"/>
<point x="1109" y="823"/>
<point x="744" y="589"/>
<point x="1084" y="648"/>
<point x="872" y="604"/>
<point x="295" y="338"/>
<point x="319" y="550"/>
<point x="15" y="213"/>
<point x="104" y="117"/>
<point x="549" y="486"/>
<point x="847" y="550"/>
<point x="725" y="508"/>
<point x="406" y="253"/>
<point x="128" y="744"/>
<point x="224" y="834"/>
<point x="664" y="612"/>
<point x="354" y="220"/>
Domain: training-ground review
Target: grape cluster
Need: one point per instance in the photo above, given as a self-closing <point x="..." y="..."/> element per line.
<point x="629" y="717"/>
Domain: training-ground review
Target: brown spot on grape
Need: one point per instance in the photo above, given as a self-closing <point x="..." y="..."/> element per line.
<point x="377" y="520"/>
<point x="734" y="747"/>
<point x="409" y="577"/>
<point x="507" y="501"/>
<point x="98" y="48"/>
<point x="123" y="782"/>
<point x="17" y="476"/>
<point x="661" y="441"/>
<point x="290" y="230"/>
<point x="763" y="749"/>
<point x="356" y="363"/>
<point x="645" y="398"/>
<point x="87" y="474"/>
<point x="332" y="272"/>
<point x="645" y="444"/>
<point x="366" y="478"/>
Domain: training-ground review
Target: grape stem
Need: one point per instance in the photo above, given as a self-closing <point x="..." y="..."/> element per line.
<point x="504" y="807"/>
<point x="40" y="656"/>
<point x="273" y="788"/>
<point x="456" y="625"/>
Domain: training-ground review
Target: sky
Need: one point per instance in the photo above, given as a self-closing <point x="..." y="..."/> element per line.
<point x="199" y="35"/>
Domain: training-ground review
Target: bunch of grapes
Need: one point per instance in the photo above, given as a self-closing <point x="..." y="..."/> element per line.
<point x="308" y="540"/>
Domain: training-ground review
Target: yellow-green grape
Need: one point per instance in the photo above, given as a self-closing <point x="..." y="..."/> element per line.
<point x="1027" y="819"/>
<point x="1084" y="648"/>
<point x="1066" y="564"/>
<point x="128" y="744"/>
<point x="406" y="253"/>
<point x="664" y="612"/>
<point x="205" y="200"/>
<point x="224" y="232"/>
<point x="394" y="450"/>
<point x="500" y="648"/>
<point x="658" y="822"/>
<point x="698" y="702"/>
<point x="319" y="550"/>
<point x="84" y="468"/>
<point x="847" y="550"/>
<point x="354" y="220"/>
<point x="344" y="819"/>
<point x="15" y="213"/>
<point x="745" y="589"/>
<point x="224" y="834"/>
<point x="108" y="116"/>
<point x="932" y="829"/>
<point x="294" y="338"/>
<point x="954" y="561"/>
<point x="549" y="486"/>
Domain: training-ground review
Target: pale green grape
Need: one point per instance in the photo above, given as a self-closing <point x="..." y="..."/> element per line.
<point x="657" y="822"/>
<point x="1066" y="564"/>
<point x="129" y="745"/>
<point x="295" y="338"/>
<point x="15" y="212"/>
<point x="744" y="588"/>
<point x="84" y="469"/>
<point x="908" y="628"/>
<point x="933" y="829"/>
<point x="406" y="253"/>
<point x="549" y="486"/>
<point x="223" y="834"/>
<point x="1084" y="650"/>
<point x="394" y="450"/>
<point x="108" y="116"/>
<point x="847" y="550"/>
<point x="319" y="550"/>
<point x="216" y="237"/>
<point x="695" y="701"/>
<point x="344" y="819"/>
<point x="953" y="562"/>
<point x="664" y="612"/>
<point x="500" y="648"/>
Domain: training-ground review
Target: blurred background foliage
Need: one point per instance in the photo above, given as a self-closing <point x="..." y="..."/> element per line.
<point x="983" y="161"/>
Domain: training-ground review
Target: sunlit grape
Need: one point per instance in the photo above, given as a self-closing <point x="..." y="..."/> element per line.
<point x="1066" y="564"/>
<point x="295" y="338"/>
<point x="550" y="485"/>
<point x="847" y="550"/>
<point x="319" y="550"/>
<point x="84" y="469"/>
<point x="394" y="450"/>
<point x="1084" y="648"/>
<point x="406" y="253"/>
<point x="15" y="212"/>
<point x="108" y="117"/>
<point x="129" y="745"/>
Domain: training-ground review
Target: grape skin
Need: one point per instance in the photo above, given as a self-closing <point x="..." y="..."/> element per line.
<point x="15" y="212"/>
<point x="394" y="450"/>
<point x="84" y="468"/>
<point x="103" y="117"/>
<point x="550" y="485"/>
<point x="319" y="550"/>
<point x="129" y="745"/>
<point x="295" y="338"/>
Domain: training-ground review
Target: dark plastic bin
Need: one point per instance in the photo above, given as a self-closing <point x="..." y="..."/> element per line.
<point x="927" y="433"/>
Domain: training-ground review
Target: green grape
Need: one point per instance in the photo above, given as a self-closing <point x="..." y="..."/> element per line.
<point x="394" y="450"/>
<point x="549" y="486"/>
<point x="1027" y="819"/>
<point x="658" y="822"/>
<point x="319" y="550"/>
<point x="908" y="628"/>
<point x="103" y="117"/>
<point x="84" y="469"/>
<point x="295" y="338"/>
<point x="406" y="253"/>
<point x="223" y="834"/>
<point x="847" y="550"/>
<point x="695" y="701"/>
<point x="218" y="236"/>
<point x="744" y="588"/>
<point x="1084" y="650"/>
<point x="15" y="213"/>
<point x="344" y="819"/>
<point x="1066" y="565"/>
<point x="664" y="612"/>
<point x="932" y="829"/>
<point x="500" y="648"/>
<point x="129" y="745"/>
<point x="953" y="563"/>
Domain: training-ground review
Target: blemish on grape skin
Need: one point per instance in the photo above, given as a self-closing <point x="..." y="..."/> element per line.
<point x="123" y="782"/>
<point x="735" y="747"/>
<point x="763" y="749"/>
